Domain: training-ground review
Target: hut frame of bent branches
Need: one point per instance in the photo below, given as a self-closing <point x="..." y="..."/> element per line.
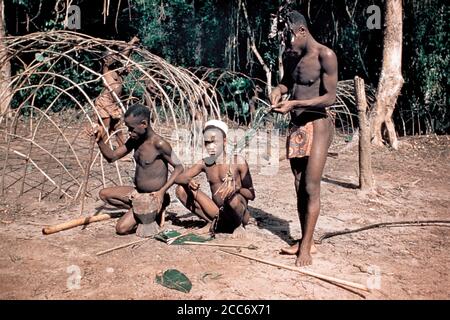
<point x="44" y="151"/>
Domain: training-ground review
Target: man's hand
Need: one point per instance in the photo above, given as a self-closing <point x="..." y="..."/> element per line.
<point x="159" y="196"/>
<point x="275" y="96"/>
<point x="227" y="192"/>
<point x="283" y="107"/>
<point x="95" y="131"/>
<point x="134" y="40"/>
<point x="228" y="187"/>
<point x="193" y="185"/>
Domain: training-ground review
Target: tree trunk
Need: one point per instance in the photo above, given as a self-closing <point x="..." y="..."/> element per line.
<point x="391" y="80"/>
<point x="256" y="52"/>
<point x="5" y="71"/>
<point x="365" y="162"/>
<point x="198" y="53"/>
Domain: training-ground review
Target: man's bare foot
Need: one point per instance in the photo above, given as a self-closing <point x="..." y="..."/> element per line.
<point x="245" y="218"/>
<point x="204" y="230"/>
<point x="295" y="247"/>
<point x="239" y="233"/>
<point x="303" y="259"/>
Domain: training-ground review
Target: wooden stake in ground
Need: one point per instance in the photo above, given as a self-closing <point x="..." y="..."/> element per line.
<point x="75" y="223"/>
<point x="329" y="279"/>
<point x="365" y="162"/>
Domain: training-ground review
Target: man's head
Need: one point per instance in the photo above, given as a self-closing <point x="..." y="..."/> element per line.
<point x="137" y="120"/>
<point x="215" y="137"/>
<point x="108" y="57"/>
<point x="297" y="29"/>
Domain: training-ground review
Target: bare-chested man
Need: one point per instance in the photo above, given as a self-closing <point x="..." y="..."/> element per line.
<point x="311" y="78"/>
<point x="153" y="154"/>
<point x="231" y="184"/>
<point x="106" y="104"/>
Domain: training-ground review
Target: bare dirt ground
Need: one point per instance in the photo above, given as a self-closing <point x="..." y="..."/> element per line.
<point x="413" y="262"/>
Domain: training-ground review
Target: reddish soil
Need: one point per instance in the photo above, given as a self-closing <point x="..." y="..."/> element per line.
<point x="413" y="261"/>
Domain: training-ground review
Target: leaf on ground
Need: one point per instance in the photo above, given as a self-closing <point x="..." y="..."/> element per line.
<point x="165" y="235"/>
<point x="174" y="279"/>
<point x="191" y="237"/>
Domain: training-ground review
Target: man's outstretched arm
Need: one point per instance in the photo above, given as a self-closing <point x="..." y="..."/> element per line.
<point x="186" y="177"/>
<point x="130" y="46"/>
<point x="109" y="154"/>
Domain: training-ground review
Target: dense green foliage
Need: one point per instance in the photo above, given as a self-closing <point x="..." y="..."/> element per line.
<point x="42" y="86"/>
<point x="425" y="101"/>
<point x="213" y="34"/>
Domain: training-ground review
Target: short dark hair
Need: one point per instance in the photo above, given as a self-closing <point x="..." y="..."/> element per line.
<point x="138" y="110"/>
<point x="295" y="20"/>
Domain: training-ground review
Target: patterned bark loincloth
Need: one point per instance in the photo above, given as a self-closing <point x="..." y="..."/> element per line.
<point x="299" y="141"/>
<point x="107" y="106"/>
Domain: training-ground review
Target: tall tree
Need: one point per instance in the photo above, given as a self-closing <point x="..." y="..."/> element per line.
<point x="5" y="70"/>
<point x="391" y="80"/>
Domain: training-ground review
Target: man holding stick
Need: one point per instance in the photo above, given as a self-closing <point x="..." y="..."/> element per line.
<point x="146" y="200"/>
<point x="106" y="105"/>
<point x="311" y="78"/>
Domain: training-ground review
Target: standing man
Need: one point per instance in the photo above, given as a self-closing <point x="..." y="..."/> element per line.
<point x="107" y="107"/>
<point x="311" y="79"/>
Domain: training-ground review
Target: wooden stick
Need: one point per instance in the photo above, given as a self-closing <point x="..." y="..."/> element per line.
<point x="75" y="223"/>
<point x="251" y="247"/>
<point x="86" y="175"/>
<point x="411" y="223"/>
<point x="122" y="246"/>
<point x="41" y="171"/>
<point x="329" y="279"/>
<point x="171" y="240"/>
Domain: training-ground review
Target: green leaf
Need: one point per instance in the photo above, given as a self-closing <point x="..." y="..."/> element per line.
<point x="190" y="237"/>
<point x="174" y="279"/>
<point x="166" y="235"/>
